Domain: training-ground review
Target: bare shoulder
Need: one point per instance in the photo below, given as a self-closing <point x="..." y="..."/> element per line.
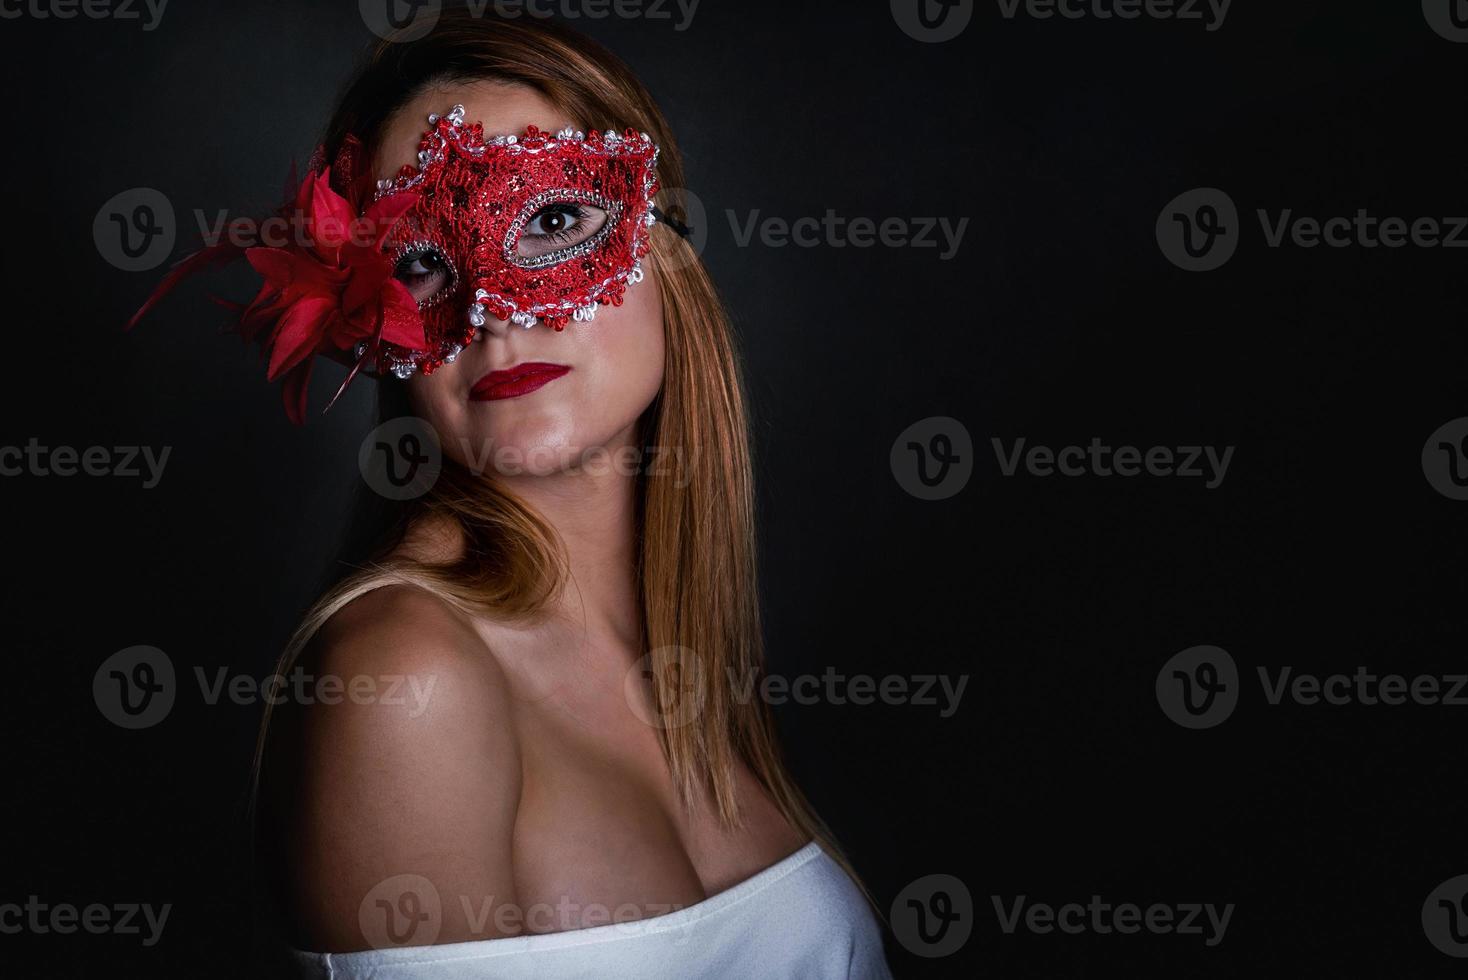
<point x="405" y="637"/>
<point x="412" y="769"/>
<point x="391" y="625"/>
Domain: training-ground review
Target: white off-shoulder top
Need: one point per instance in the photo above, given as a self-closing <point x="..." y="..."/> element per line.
<point x="802" y="917"/>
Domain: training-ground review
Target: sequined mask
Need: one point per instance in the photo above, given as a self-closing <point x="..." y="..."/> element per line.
<point x="534" y="228"/>
<point x="538" y="227"/>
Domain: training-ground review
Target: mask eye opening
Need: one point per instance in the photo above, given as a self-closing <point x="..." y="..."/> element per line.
<point x="420" y="247"/>
<point x="613" y="210"/>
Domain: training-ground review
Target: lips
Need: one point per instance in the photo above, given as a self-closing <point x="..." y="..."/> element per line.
<point x="521" y="379"/>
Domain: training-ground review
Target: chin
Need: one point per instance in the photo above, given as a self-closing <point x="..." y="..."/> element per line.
<point x="533" y="447"/>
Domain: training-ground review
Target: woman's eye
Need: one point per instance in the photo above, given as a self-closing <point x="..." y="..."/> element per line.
<point x="424" y="272"/>
<point x="557" y="226"/>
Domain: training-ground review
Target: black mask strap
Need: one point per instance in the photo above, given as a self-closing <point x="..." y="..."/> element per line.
<point x="673" y="223"/>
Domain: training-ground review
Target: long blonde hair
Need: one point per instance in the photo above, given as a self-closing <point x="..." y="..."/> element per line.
<point x="696" y="563"/>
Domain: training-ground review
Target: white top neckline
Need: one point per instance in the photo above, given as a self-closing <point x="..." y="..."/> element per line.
<point x="811" y="923"/>
<point x="678" y="918"/>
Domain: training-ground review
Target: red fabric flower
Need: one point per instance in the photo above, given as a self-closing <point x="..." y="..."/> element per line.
<point x="329" y="291"/>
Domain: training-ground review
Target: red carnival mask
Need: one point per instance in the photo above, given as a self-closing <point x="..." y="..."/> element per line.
<point x="538" y="227"/>
<point x="401" y="277"/>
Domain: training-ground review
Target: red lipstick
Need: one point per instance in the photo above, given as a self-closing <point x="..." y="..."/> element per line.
<point x="521" y="379"/>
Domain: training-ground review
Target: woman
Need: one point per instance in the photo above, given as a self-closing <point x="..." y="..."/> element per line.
<point x="575" y="790"/>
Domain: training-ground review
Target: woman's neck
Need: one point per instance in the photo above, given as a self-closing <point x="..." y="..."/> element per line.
<point x="594" y="511"/>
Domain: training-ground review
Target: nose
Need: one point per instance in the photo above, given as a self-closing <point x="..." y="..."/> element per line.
<point x="483" y="321"/>
<point x="481" y="317"/>
<point x="491" y="326"/>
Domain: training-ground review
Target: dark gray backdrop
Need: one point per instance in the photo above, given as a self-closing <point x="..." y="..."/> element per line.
<point x="1058" y="320"/>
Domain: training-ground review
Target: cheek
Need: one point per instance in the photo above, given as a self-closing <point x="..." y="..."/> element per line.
<point x="435" y="400"/>
<point x="624" y="352"/>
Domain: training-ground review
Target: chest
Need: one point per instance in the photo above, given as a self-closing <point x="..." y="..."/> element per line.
<point x="600" y="834"/>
